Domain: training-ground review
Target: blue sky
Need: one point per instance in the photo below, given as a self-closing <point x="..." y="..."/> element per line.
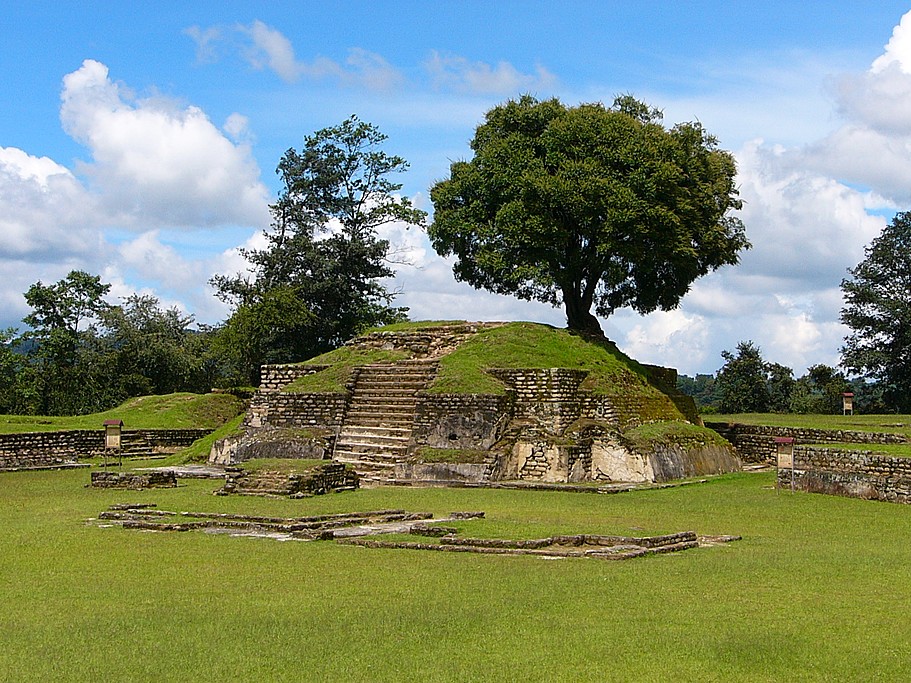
<point x="139" y="140"/>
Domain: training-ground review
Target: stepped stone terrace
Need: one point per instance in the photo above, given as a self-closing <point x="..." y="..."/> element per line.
<point x="388" y="418"/>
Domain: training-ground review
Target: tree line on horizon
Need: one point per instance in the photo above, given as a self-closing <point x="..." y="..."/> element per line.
<point x="591" y="208"/>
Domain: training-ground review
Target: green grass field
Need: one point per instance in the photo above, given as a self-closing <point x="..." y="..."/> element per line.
<point x="173" y="411"/>
<point x="900" y="424"/>
<point x="817" y="590"/>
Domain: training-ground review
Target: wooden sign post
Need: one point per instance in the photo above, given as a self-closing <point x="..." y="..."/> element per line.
<point x="112" y="442"/>
<point x="847" y="403"/>
<point x="784" y="446"/>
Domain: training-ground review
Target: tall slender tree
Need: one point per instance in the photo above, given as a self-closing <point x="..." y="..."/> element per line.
<point x="878" y="312"/>
<point x="319" y="280"/>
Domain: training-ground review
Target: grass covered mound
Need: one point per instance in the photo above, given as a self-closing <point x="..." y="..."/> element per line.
<point x="518" y="345"/>
<point x="172" y="411"/>
<point x="673" y="433"/>
<point x="341" y="362"/>
<point x="535" y="346"/>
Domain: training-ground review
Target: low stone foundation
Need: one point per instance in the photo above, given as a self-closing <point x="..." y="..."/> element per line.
<point x="332" y="476"/>
<point x="133" y="480"/>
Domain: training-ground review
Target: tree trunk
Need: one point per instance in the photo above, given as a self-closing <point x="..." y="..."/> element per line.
<point x="578" y="314"/>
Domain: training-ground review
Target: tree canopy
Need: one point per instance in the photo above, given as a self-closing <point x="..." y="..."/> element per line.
<point x="318" y="282"/>
<point x="588" y="207"/>
<point x="743" y="381"/>
<point x="878" y="311"/>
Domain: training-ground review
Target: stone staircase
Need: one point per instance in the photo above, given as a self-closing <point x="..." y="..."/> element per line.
<point x="380" y="417"/>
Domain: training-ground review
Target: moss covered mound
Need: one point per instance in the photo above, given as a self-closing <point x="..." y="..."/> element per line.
<point x="464" y="368"/>
<point x="171" y="411"/>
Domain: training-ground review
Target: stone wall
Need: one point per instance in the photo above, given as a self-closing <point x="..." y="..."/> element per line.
<point x="46" y="449"/>
<point x="301" y="410"/>
<point x="550" y="397"/>
<point x="549" y="462"/>
<point x="324" y="478"/>
<point x="856" y="474"/>
<point x="428" y="342"/>
<point x="134" y="480"/>
<point x="270" y="407"/>
<point x="472" y="421"/>
<point x="277" y="377"/>
<point x="756" y="443"/>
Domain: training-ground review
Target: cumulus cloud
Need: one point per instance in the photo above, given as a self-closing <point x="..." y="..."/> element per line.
<point x="674" y="338"/>
<point x="457" y="73"/>
<point x="156" y="163"/>
<point x="44" y="209"/>
<point x="873" y="146"/>
<point x="155" y="166"/>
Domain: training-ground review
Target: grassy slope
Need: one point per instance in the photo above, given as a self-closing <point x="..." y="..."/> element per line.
<point x="514" y="345"/>
<point x="814" y="591"/>
<point x="174" y="411"/>
<point x="532" y="345"/>
<point x="341" y="362"/>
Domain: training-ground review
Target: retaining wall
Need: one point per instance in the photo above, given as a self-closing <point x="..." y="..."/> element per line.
<point x="133" y="480"/>
<point x="756" y="443"/>
<point x="474" y="421"/>
<point x="44" y="449"/>
<point x="856" y="474"/>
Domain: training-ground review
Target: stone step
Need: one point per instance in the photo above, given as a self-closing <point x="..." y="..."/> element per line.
<point x="389" y="389"/>
<point x="368" y="465"/>
<point x="411" y="378"/>
<point x="414" y="363"/>
<point x="391" y="432"/>
<point x="397" y="371"/>
<point x="382" y="419"/>
<point x="376" y="440"/>
<point x="382" y="399"/>
<point x="382" y="402"/>
<point x="344" y="454"/>
<point x="401" y="416"/>
<point x="371" y="448"/>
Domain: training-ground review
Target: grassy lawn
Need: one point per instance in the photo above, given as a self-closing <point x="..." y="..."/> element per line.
<point x="816" y="590"/>
<point x="900" y="424"/>
<point x="174" y="411"/>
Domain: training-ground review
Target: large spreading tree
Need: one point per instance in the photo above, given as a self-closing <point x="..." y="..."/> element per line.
<point x="878" y="311"/>
<point x="319" y="280"/>
<point x="588" y="207"/>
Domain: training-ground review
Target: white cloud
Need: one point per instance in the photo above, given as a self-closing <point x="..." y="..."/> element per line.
<point x="806" y="228"/>
<point x="155" y="163"/>
<point x="238" y="127"/>
<point x="457" y="73"/>
<point x="898" y="49"/>
<point x="44" y="210"/>
<point x="674" y="338"/>
<point x="265" y="47"/>
<point x="206" y="41"/>
<point x="271" y="48"/>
